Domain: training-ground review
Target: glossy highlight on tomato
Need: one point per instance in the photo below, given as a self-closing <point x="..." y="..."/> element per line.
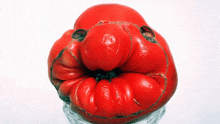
<point x="112" y="67"/>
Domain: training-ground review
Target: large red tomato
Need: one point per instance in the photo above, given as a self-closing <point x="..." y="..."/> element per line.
<point x="112" y="67"/>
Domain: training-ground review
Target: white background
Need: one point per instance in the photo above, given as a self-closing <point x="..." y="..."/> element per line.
<point x="30" y="27"/>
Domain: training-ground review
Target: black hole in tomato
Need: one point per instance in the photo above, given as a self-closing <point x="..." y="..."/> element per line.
<point x="79" y="34"/>
<point x="148" y="34"/>
<point x="108" y="75"/>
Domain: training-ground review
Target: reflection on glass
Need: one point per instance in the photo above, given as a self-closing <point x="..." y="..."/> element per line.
<point x="153" y="118"/>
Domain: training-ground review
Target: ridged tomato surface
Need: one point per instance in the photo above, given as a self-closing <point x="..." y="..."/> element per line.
<point x="112" y="67"/>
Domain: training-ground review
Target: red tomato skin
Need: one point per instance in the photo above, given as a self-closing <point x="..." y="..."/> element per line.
<point x="107" y="49"/>
<point x="114" y="40"/>
<point x="108" y="12"/>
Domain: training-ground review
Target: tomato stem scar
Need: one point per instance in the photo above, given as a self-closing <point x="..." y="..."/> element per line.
<point x="108" y="75"/>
